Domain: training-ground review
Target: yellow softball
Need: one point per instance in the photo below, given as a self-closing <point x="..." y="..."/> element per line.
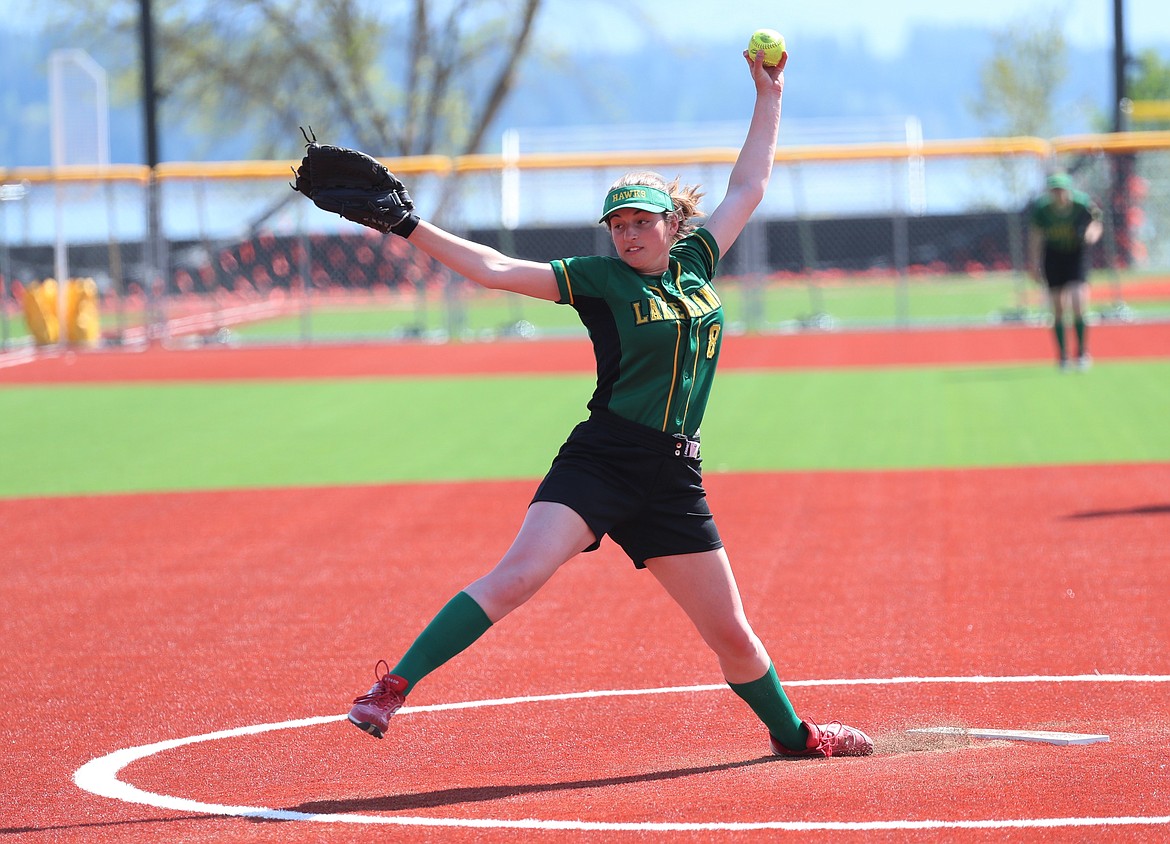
<point x="771" y="42"/>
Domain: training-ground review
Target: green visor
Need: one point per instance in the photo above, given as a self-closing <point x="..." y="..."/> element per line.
<point x="1059" y="181"/>
<point x="637" y="196"/>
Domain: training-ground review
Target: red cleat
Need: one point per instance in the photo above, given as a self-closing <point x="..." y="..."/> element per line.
<point x="832" y="739"/>
<point x="371" y="712"/>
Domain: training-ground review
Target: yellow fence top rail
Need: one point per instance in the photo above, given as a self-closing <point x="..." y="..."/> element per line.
<point x="77" y="173"/>
<point x="440" y="165"/>
<point x="1116" y="142"/>
<point x="727" y="155"/>
<point x="284" y="169"/>
<point x="929" y="149"/>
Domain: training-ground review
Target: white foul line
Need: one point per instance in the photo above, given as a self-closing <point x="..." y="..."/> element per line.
<point x="100" y="776"/>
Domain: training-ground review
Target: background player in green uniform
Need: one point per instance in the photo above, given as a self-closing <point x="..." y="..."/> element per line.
<point x="1064" y="222"/>
<point x="631" y="470"/>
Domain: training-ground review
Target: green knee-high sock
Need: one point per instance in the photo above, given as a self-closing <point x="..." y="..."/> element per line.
<point x="452" y="631"/>
<point x="767" y="699"/>
<point x="1058" y="329"/>
<point x="1082" y="331"/>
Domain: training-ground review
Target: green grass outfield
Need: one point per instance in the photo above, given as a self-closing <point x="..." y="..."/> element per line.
<point x="80" y="439"/>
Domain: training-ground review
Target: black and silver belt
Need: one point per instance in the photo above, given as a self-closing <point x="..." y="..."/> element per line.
<point x="684" y="446"/>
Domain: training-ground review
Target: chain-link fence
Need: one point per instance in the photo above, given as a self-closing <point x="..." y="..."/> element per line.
<point x="887" y="235"/>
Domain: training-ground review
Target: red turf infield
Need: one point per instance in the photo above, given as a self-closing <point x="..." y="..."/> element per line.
<point x="135" y="619"/>
<point x="130" y="620"/>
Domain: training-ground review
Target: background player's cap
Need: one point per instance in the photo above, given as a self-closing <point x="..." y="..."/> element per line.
<point x="1059" y="180"/>
<point x="643" y="197"/>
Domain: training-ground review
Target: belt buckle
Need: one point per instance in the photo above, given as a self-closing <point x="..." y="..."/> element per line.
<point x="685" y="447"/>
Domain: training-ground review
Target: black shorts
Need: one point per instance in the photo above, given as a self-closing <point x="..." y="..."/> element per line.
<point x="1064" y="268"/>
<point x="635" y="484"/>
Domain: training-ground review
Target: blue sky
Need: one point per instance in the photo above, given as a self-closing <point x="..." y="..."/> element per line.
<point x="881" y="26"/>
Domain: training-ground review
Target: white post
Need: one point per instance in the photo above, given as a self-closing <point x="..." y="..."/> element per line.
<point x="79" y="133"/>
<point x="8" y="193"/>
<point x="510" y="180"/>
<point x="57" y="105"/>
<point x="916" y="171"/>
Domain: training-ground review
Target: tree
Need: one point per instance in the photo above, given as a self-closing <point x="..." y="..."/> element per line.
<point x="392" y="78"/>
<point x="1019" y="83"/>
<point x="1150" y="82"/>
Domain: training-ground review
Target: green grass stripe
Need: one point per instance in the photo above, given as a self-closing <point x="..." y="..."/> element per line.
<point x="850" y="301"/>
<point x="953" y="417"/>
<point x="959" y="299"/>
<point x="157" y="437"/>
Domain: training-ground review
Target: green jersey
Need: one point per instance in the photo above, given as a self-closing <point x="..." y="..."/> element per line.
<point x="1064" y="228"/>
<point x="656" y="339"/>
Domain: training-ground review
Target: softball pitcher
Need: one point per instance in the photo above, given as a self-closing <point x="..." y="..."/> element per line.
<point x="632" y="469"/>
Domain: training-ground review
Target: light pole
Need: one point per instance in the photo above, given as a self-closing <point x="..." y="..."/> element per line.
<point x="154" y="262"/>
<point x="1120" y="90"/>
<point x="1124" y="163"/>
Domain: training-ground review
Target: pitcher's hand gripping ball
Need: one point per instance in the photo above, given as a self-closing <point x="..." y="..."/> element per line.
<point x="771" y="42"/>
<point x="355" y="186"/>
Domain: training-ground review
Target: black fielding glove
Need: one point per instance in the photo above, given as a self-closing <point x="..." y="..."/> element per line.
<point x="355" y="186"/>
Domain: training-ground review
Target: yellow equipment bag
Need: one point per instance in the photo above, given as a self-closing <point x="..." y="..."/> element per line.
<point x="40" y="311"/>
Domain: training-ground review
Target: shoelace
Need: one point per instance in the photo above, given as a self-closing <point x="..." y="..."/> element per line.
<point x="831" y="737"/>
<point x="382" y="687"/>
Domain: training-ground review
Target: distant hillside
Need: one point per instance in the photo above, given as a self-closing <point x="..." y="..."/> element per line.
<point x="934" y="79"/>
